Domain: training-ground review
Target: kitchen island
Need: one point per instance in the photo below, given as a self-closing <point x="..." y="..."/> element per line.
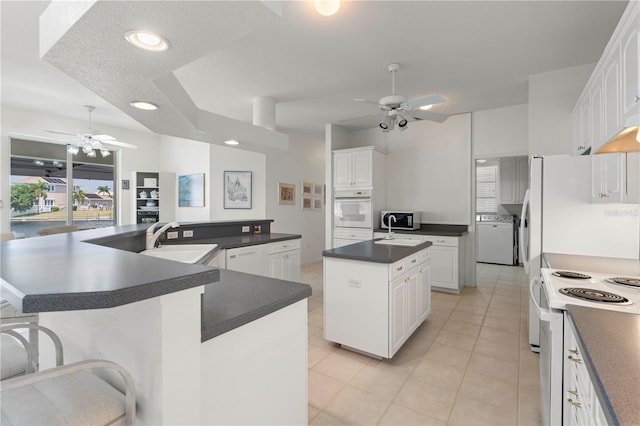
<point x="376" y="294"/>
<point x="179" y="329"/>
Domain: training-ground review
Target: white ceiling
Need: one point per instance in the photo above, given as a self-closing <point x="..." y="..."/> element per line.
<point x="476" y="54"/>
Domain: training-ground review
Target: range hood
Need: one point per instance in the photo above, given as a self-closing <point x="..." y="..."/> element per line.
<point x="628" y="140"/>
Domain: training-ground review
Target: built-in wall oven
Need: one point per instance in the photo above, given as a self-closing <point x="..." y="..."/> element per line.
<point x="353" y="209"/>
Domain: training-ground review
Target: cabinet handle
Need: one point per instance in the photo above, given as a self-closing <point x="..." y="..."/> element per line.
<point x="574" y="351"/>
<point x="576" y="360"/>
<point x="581" y="147"/>
<point x="574" y="393"/>
<point x="414" y="261"/>
<point x="399" y="268"/>
<point x="575" y="404"/>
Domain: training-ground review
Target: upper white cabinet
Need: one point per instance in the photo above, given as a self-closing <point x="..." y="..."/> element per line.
<point x="611" y="97"/>
<point x="354" y="168"/>
<point x="514" y="179"/>
<point x="607" y="178"/>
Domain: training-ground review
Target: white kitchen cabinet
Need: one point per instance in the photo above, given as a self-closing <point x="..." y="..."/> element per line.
<point x="162" y="185"/>
<point x="633" y="177"/>
<point x="611" y="94"/>
<point x="375" y="307"/>
<point x="276" y="260"/>
<point x="513" y="177"/>
<point x="354" y="167"/>
<point x="285" y="266"/>
<point x="251" y="259"/>
<point x="608" y="173"/>
<point x="345" y="236"/>
<point x="581" y="406"/>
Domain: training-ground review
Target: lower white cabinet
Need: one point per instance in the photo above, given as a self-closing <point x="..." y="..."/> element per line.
<point x="580" y="405"/>
<point x="285" y="266"/>
<point x="345" y="236"/>
<point x="447" y="260"/>
<point x="375" y="307"/>
<point x="279" y="260"/>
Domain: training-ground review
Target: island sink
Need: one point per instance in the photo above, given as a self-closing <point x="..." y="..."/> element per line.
<point x="187" y="253"/>
<point x="399" y="242"/>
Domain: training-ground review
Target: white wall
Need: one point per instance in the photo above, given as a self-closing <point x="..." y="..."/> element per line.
<point x="552" y="96"/>
<point x="428" y="170"/>
<point x="500" y="132"/>
<point x="185" y="157"/>
<point x="231" y="159"/>
<point x="303" y="162"/>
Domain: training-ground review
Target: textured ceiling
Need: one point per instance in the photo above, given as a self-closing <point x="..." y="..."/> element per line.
<point x="476" y="54"/>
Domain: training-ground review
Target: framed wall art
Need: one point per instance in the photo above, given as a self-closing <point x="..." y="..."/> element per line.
<point x="317" y="203"/>
<point x="318" y="190"/>
<point x="237" y="190"/>
<point x="307" y="202"/>
<point x="307" y="188"/>
<point x="286" y="194"/>
<point x="191" y="190"/>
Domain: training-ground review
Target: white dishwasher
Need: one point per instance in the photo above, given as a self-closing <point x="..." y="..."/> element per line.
<point x="496" y="239"/>
<point x="251" y="259"/>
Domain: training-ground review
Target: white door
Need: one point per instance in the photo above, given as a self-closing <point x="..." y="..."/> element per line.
<point x="444" y="267"/>
<point x="397" y="303"/>
<point x="414" y="301"/>
<point x="425" y="290"/>
<point x="362" y="169"/>
<point x="342" y="170"/>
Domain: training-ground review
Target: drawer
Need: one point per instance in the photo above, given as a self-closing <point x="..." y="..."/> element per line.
<point x="287" y="245"/>
<point x="424" y="255"/>
<point x="397" y="269"/>
<point x="443" y="241"/>
<point x="353" y="234"/>
<point x="412" y="261"/>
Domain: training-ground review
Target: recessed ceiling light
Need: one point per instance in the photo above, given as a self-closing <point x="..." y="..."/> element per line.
<point x="425" y="107"/>
<point x="481" y="161"/>
<point x="147" y="106"/>
<point x="327" y="7"/>
<point x="147" y="40"/>
<point x="232" y="142"/>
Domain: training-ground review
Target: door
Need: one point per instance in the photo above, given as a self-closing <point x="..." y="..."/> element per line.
<point x="414" y="301"/>
<point x="362" y="169"/>
<point x="425" y="290"/>
<point x="276" y="266"/>
<point x="292" y="264"/>
<point x="444" y="267"/>
<point x="342" y="169"/>
<point x="397" y="303"/>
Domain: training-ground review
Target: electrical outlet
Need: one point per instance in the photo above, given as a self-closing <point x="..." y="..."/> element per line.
<point x="172" y="235"/>
<point x="187" y="234"/>
<point x="246" y="228"/>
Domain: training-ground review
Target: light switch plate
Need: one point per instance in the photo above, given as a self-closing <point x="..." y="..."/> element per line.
<point x="172" y="235"/>
<point x="187" y="234"/>
<point x="246" y="228"/>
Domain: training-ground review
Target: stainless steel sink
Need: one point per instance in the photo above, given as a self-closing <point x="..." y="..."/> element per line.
<point x="399" y="242"/>
<point x="187" y="253"/>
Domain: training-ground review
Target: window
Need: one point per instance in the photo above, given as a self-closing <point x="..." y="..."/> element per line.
<point x="486" y="185"/>
<point x="52" y="188"/>
<point x="49" y="203"/>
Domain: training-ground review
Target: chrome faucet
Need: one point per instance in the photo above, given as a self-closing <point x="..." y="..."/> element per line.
<point x="153" y="238"/>
<point x="390" y="235"/>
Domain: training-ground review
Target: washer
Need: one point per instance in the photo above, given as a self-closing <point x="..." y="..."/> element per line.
<point x="496" y="239"/>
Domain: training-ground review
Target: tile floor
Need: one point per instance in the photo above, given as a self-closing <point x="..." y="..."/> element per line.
<point x="469" y="363"/>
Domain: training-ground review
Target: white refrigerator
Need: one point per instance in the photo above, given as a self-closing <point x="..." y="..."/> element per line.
<point x="559" y="217"/>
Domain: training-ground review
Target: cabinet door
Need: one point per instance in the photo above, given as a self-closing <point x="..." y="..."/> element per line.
<point x="630" y="44"/>
<point x="597" y="133"/>
<point x="608" y="178"/>
<point x="276" y="266"/>
<point x="397" y="303"/>
<point x="444" y="267"/>
<point x="362" y="169"/>
<point x="611" y="95"/>
<point x="585" y="122"/>
<point x="522" y="178"/>
<point x="414" y="302"/>
<point x="342" y="169"/>
<point x="425" y="290"/>
<point x="633" y="177"/>
<point x="507" y="174"/>
<point x="292" y="263"/>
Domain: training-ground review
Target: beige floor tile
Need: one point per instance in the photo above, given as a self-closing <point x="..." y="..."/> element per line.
<point x="397" y="415"/>
<point x="405" y="360"/>
<point x="513" y="293"/>
<point x="471" y="309"/>
<point x="492" y="391"/>
<point x="529" y="377"/>
<point x="317" y="339"/>
<point x="311" y="330"/>
<point x="316" y="354"/>
<point x="312" y="412"/>
<point x="501" y="324"/>
<point x="357" y="407"/>
<point x="456" y="340"/>
<point x="324" y="419"/>
<point x="494" y="367"/>
<point x="506" y="300"/>
<point x="528" y="421"/>
<point x="438" y="374"/>
<point x="440" y="311"/>
<point x="529" y="402"/>
<point x="499" y="336"/>
<point x="467" y="317"/>
<point x="448" y="355"/>
<point x="461" y="327"/>
<point x="316" y="319"/>
<point x="380" y="381"/>
<point x="322" y="389"/>
<point x="470" y="411"/>
<point x="506" y="352"/>
<point x="339" y="366"/>
<point x="430" y="400"/>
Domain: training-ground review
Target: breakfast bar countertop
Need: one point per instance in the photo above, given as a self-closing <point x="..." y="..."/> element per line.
<point x="369" y="251"/>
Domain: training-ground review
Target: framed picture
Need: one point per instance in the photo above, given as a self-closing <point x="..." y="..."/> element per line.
<point x="318" y="190"/>
<point x="286" y="193"/>
<point x="307" y="188"/>
<point x="307" y="202"/>
<point x="237" y="190"/>
<point x="191" y="190"/>
<point x="317" y="203"/>
<point x="125" y="184"/>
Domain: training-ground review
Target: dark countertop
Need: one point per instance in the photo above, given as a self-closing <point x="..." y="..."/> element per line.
<point x="239" y="298"/>
<point x="592" y="264"/>
<point x="239" y="240"/>
<point x="369" y="251"/>
<point x="433" y="229"/>
<point x="609" y="343"/>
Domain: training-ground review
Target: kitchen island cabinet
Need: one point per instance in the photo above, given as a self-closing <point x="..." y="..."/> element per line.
<point x="375" y="295"/>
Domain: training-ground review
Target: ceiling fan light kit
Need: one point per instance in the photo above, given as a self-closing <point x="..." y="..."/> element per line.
<point x="400" y="108"/>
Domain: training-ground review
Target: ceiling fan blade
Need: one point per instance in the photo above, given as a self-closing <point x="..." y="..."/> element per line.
<point x="104" y="138"/>
<point x="119" y="144"/>
<point x="428" y="115"/>
<point x="427" y="100"/>
<point x="367" y="101"/>
<point x="62" y="133"/>
<point x="359" y="117"/>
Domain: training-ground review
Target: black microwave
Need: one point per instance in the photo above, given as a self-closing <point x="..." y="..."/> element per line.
<point x="403" y="220"/>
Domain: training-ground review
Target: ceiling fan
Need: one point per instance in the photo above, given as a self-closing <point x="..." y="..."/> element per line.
<point x="90" y="140"/>
<point x="399" y="108"/>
